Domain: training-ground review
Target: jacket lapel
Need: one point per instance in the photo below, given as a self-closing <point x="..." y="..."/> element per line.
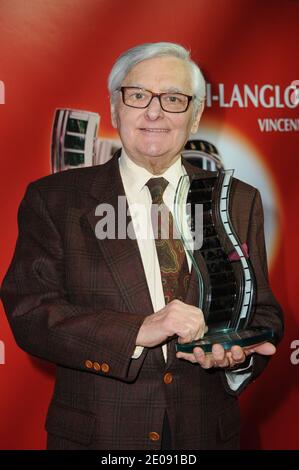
<point x="121" y="254"/>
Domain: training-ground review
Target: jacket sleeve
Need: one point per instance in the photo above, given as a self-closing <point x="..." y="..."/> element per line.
<point x="267" y="311"/>
<point x="44" y="322"/>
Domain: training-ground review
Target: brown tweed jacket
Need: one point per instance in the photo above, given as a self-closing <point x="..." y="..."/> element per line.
<point x="79" y="302"/>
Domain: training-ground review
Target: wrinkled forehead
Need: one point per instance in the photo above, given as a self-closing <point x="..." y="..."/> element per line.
<point x="165" y="73"/>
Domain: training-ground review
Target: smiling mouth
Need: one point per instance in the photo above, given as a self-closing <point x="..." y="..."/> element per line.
<point x="153" y="130"/>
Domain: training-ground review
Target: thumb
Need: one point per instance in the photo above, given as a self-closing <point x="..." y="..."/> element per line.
<point x="266" y="349"/>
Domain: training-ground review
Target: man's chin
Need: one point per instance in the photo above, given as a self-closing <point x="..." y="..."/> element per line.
<point x="154" y="151"/>
<point x="153" y="155"/>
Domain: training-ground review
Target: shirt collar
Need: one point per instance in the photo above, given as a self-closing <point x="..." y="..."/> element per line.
<point x="135" y="177"/>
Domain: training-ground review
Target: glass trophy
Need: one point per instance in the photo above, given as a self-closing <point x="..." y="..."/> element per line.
<point x="226" y="282"/>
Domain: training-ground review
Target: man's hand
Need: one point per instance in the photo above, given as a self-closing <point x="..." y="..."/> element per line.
<point x="176" y="318"/>
<point x="225" y="359"/>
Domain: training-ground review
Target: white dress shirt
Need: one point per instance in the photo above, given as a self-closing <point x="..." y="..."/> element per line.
<point x="139" y="199"/>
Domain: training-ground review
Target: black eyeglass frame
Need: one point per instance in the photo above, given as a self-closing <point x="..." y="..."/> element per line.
<point x="154" y="95"/>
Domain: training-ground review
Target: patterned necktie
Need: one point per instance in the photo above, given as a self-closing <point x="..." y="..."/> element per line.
<point x="171" y="254"/>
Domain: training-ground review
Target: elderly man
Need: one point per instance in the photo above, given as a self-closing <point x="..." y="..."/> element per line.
<point x="108" y="310"/>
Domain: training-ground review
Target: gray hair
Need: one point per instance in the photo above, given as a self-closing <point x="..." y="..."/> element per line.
<point x="133" y="56"/>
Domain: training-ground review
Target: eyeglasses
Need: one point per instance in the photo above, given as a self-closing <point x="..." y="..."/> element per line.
<point x="140" y="98"/>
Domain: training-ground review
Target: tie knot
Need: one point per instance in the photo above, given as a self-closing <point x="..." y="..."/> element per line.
<point x="157" y="187"/>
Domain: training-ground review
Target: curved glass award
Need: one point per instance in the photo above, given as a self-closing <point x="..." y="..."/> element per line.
<point x="226" y="282"/>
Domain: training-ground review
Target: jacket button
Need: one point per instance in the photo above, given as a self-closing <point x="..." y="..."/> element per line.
<point x="105" y="368"/>
<point x="97" y="366"/>
<point x="168" y="378"/>
<point x="154" y="436"/>
<point x="88" y="364"/>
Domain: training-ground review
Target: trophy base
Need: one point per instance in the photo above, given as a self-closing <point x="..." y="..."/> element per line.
<point x="229" y="337"/>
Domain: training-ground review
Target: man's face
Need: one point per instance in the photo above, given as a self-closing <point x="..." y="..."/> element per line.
<point x="149" y="134"/>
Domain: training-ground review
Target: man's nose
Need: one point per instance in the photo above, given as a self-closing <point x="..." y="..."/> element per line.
<point x="154" y="108"/>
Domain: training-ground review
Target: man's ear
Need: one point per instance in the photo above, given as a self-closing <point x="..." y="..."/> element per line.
<point x="113" y="114"/>
<point x="197" y="118"/>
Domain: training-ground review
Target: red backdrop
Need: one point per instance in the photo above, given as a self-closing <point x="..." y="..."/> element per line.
<point x="58" y="53"/>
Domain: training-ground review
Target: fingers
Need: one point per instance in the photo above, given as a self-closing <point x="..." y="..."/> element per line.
<point x="237" y="355"/>
<point x="185" y="321"/>
<point x="218" y="358"/>
<point x="225" y="359"/>
<point x="206" y="361"/>
<point x="266" y="349"/>
<point x="187" y="356"/>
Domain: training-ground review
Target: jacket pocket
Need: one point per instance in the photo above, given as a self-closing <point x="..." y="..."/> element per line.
<point x="70" y="423"/>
